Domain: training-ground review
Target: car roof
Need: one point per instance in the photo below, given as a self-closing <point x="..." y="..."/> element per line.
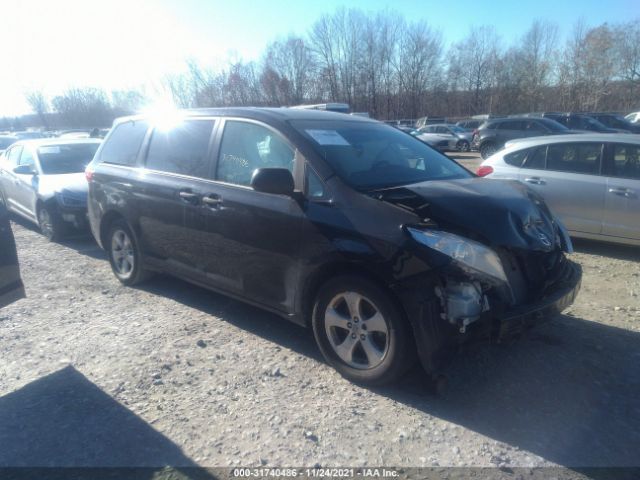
<point x="518" y="118"/>
<point x="578" y="137"/>
<point x="259" y="113"/>
<point x="52" y="142"/>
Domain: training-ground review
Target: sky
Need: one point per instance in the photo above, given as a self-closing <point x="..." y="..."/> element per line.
<point x="51" y="45"/>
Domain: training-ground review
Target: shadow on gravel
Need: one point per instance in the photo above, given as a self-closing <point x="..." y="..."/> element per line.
<point x="84" y="244"/>
<point x="252" y="319"/>
<point x="620" y="252"/>
<point x="567" y="391"/>
<point x="64" y="420"/>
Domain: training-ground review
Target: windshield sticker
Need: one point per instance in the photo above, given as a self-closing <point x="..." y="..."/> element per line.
<point x="49" y="149"/>
<point x="328" y="137"/>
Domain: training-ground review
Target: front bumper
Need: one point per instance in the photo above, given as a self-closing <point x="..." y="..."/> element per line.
<point x="77" y="216"/>
<point x="558" y="296"/>
<point x="437" y="340"/>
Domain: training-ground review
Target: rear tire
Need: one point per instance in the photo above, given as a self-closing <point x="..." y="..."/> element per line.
<point x="125" y="255"/>
<point x="50" y="223"/>
<point x="487" y="149"/>
<point x="361" y="332"/>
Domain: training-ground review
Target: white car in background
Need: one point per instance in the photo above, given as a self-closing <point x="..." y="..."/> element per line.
<point x="590" y="181"/>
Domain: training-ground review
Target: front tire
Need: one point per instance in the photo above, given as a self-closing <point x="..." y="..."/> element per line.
<point x="50" y="223"/>
<point x="124" y="254"/>
<point x="463" y="146"/>
<point x="361" y="332"/>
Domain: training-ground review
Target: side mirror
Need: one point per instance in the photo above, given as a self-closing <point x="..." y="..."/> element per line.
<point x="273" y="180"/>
<point x="24" y="170"/>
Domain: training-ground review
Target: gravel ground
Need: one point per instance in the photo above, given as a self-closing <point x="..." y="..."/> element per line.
<point x="95" y="373"/>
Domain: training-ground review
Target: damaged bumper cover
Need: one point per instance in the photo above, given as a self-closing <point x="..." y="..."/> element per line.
<point x="557" y="297"/>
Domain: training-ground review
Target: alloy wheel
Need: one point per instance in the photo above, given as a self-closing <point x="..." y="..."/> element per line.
<point x="122" y="253"/>
<point x="46" y="223"/>
<point x="357" y="330"/>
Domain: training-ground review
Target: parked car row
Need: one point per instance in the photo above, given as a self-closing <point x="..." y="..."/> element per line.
<point x="8" y="138"/>
<point x="385" y="248"/>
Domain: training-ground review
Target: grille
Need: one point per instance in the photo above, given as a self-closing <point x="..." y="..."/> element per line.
<point x="529" y="273"/>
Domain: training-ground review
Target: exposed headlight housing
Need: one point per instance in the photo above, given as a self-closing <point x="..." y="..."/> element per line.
<point x="468" y="254"/>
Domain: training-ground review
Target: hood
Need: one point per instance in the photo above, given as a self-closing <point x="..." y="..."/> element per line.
<point x="503" y="213"/>
<point x="465" y="135"/>
<point x="74" y="183"/>
<point x="568" y="132"/>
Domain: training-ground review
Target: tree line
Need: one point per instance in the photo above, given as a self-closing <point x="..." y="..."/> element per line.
<point x="393" y="68"/>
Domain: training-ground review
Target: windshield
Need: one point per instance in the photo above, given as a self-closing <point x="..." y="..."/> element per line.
<point x="596" y="124"/>
<point x="61" y="159"/>
<point x="7" y="142"/>
<point x="553" y="125"/>
<point x="371" y="156"/>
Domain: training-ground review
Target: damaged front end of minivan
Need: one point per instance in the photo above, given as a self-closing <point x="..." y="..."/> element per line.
<point x="497" y="259"/>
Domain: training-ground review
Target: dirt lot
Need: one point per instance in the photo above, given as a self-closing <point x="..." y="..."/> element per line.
<point x="470" y="160"/>
<point x="95" y="373"/>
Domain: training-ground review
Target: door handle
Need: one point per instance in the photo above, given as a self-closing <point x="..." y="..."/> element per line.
<point x="623" y="192"/>
<point x="212" y="200"/>
<point x="535" y="180"/>
<point x="188" y="197"/>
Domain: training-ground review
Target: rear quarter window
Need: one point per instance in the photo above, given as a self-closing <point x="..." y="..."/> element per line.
<point x="123" y="145"/>
<point x="516" y="159"/>
<point x="536" y="158"/>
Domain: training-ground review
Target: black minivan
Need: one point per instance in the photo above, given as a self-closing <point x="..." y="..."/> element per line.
<point x="381" y="244"/>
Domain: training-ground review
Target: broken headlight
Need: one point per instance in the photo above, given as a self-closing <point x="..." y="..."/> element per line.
<point x="466" y="253"/>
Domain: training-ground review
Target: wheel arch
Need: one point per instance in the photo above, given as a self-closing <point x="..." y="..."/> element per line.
<point x="105" y="225"/>
<point x="322" y="275"/>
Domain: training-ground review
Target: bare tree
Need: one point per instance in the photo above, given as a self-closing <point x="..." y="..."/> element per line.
<point x="288" y="67"/>
<point x="83" y="107"/>
<point x="337" y="41"/>
<point x="419" y="66"/>
<point x="473" y="67"/>
<point x="126" y="102"/>
<point x="536" y="61"/>
<point x="627" y="48"/>
<point x="39" y="104"/>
